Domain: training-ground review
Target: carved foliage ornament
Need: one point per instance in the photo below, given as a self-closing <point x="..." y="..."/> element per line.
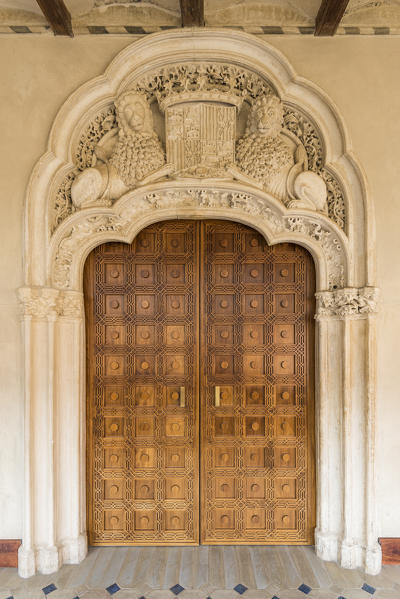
<point x="347" y="302"/>
<point x="47" y="303"/>
<point x="79" y="234"/>
<point x="280" y="151"/>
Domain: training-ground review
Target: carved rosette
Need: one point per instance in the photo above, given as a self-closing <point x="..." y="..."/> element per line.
<point x="118" y="226"/>
<point x="38" y="302"/>
<point x="349" y="302"/>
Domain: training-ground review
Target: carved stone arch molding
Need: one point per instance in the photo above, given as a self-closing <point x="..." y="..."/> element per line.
<point x="232" y="69"/>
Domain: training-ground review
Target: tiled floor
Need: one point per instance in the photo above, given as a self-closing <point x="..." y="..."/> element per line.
<point x="203" y="573"/>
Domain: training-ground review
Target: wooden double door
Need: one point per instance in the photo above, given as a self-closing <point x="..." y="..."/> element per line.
<point x="200" y="404"/>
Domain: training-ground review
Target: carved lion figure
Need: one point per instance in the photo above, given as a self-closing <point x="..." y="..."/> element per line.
<point x="124" y="158"/>
<point x="262" y="153"/>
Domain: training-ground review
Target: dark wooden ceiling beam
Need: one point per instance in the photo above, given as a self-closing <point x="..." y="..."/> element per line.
<point x="192" y="12"/>
<point x="58" y="16"/>
<point x="329" y="16"/>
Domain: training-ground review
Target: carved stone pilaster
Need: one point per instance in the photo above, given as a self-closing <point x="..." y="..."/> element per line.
<point x="349" y="302"/>
<point x="39" y="302"/>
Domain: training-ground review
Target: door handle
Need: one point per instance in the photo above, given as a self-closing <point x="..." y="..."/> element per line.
<point x="182" y="397"/>
<point x="217" y="397"/>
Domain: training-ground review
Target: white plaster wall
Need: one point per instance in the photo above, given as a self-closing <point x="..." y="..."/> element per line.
<point x="360" y="74"/>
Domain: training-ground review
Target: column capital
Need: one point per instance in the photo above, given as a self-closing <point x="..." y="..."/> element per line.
<point x="349" y="302"/>
<point x="39" y="302"/>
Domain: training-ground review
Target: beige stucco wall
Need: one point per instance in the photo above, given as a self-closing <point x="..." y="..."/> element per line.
<point x="360" y="74"/>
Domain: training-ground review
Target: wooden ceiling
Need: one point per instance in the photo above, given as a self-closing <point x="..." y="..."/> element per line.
<point x="312" y="17"/>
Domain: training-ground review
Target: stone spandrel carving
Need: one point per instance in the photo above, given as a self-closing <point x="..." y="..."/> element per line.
<point x="124" y="158"/>
<point x="348" y="302"/>
<point x="276" y="159"/>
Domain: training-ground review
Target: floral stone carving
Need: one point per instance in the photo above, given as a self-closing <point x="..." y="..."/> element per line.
<point x="347" y="302"/>
<point x="125" y="157"/>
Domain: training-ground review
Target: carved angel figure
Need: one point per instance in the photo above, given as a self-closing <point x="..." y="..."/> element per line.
<point x="125" y="157"/>
<point x="274" y="159"/>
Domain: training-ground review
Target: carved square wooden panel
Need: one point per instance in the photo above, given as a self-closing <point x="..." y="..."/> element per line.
<point x="175" y="519"/>
<point x="145" y="304"/>
<point x="285" y="395"/>
<point x="145" y="364"/>
<point x="253" y="364"/>
<point x="253" y="334"/>
<point x="144" y="488"/>
<point x="285" y="518"/>
<point x="115" y="273"/>
<point x="223" y="274"/>
<point x="255" y="426"/>
<point x="175" y="457"/>
<point x="284" y="272"/>
<point x="114" y="520"/>
<point x="223" y="334"/>
<point x="144" y="274"/>
<point x="144" y="520"/>
<point x="224" y="518"/>
<point x="114" y="365"/>
<point x="253" y="273"/>
<point x="285" y="426"/>
<point x="145" y="243"/>
<point x="175" y="334"/>
<point x="114" y="488"/>
<point x="175" y="426"/>
<point x="285" y="457"/>
<point x="144" y="395"/>
<point x="253" y="303"/>
<point x="284" y="303"/>
<point x="114" y="304"/>
<point x="254" y="457"/>
<point x="144" y="426"/>
<point x="226" y="395"/>
<point x="175" y="488"/>
<point x="255" y="487"/>
<point x="223" y="243"/>
<point x="114" y="426"/>
<point x="114" y="396"/>
<point x="254" y="518"/>
<point x="114" y="457"/>
<point x="285" y="488"/>
<point x="254" y="243"/>
<point x="224" y="426"/>
<point x="224" y="364"/>
<point x="114" y="334"/>
<point x="284" y="334"/>
<point x="255" y="395"/>
<point x="174" y="364"/>
<point x="145" y="458"/>
<point x="175" y="396"/>
<point x="224" y="457"/>
<point x="223" y="304"/>
<point x="145" y="334"/>
<point x="175" y="274"/>
<point x="284" y="364"/>
<point x="175" y="305"/>
<point x="224" y="487"/>
<point x="175" y="243"/>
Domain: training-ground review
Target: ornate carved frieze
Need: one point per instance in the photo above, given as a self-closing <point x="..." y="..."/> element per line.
<point x="280" y="151"/>
<point x="39" y="302"/>
<point x="349" y="302"/>
<point x="197" y="198"/>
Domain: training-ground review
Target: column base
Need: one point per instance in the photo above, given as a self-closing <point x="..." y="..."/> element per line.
<point x="48" y="559"/>
<point x="373" y="559"/>
<point x="350" y="555"/>
<point x="26" y="562"/>
<point x="326" y="545"/>
<point x="74" y="550"/>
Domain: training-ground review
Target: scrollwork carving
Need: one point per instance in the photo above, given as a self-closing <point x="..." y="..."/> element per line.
<point x="198" y="198"/>
<point x="348" y="302"/>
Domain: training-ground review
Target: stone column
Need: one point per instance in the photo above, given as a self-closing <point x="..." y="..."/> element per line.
<point x="353" y="311"/>
<point x="39" y="550"/>
<point x="70" y="422"/>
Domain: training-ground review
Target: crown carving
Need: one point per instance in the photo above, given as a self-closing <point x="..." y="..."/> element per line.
<point x="231" y="97"/>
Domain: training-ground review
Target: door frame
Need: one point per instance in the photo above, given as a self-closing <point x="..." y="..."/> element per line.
<point x="52" y="304"/>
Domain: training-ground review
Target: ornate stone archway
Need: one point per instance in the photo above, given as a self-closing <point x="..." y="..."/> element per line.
<point x="62" y="226"/>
